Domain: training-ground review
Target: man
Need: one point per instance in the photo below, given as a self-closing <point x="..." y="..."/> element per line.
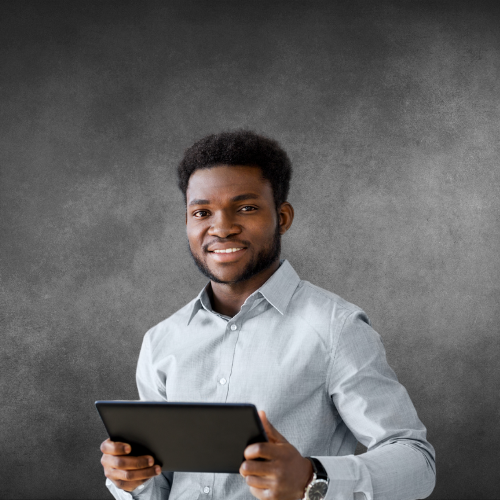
<point x="257" y="333"/>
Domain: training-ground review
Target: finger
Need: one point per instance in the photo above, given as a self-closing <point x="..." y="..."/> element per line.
<point x="272" y="433"/>
<point x="115" y="447"/>
<point x="125" y="462"/>
<point x="261" y="483"/>
<point x="261" y="494"/>
<point x="256" y="468"/>
<point x="134" y="475"/>
<point x="268" y="451"/>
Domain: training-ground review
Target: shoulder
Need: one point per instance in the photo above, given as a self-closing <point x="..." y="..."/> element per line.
<point x="169" y="326"/>
<point x="311" y="299"/>
<point x="325" y="311"/>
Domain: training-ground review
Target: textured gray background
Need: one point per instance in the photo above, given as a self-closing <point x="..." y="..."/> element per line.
<point x="390" y="113"/>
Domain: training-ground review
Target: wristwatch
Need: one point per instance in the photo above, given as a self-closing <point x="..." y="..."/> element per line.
<point x="317" y="488"/>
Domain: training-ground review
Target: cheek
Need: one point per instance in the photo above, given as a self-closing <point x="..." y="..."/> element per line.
<point x="265" y="234"/>
<point x="195" y="236"/>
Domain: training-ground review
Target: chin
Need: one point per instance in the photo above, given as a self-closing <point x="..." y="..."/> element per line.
<point x="224" y="277"/>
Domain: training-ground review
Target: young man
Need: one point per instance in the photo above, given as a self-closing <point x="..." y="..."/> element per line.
<point x="257" y="333"/>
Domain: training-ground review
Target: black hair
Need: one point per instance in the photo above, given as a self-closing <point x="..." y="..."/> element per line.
<point x="239" y="147"/>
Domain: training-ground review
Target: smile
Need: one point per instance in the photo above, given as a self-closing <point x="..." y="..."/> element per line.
<point x="227" y="250"/>
<point x="227" y="255"/>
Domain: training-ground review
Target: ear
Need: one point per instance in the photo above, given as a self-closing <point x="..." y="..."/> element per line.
<point x="285" y="214"/>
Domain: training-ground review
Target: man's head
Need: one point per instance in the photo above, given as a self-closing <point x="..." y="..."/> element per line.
<point x="241" y="147"/>
<point x="235" y="185"/>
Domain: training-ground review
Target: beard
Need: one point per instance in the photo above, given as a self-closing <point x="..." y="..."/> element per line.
<point x="262" y="261"/>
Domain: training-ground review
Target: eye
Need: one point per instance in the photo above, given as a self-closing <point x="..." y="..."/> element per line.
<point x="248" y="208"/>
<point x="200" y="213"/>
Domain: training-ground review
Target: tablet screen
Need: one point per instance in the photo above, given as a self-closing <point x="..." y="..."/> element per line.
<point x="187" y="437"/>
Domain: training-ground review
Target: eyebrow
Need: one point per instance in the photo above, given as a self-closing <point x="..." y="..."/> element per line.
<point x="240" y="197"/>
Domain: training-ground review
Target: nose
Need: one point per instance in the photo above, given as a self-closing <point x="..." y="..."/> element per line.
<point x="223" y="226"/>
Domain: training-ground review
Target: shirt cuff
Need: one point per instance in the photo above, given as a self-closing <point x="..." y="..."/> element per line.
<point x="136" y="494"/>
<point x="349" y="478"/>
<point x="117" y="492"/>
<point x="143" y="490"/>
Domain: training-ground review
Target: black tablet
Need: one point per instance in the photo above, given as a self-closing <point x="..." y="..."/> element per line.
<point x="187" y="437"/>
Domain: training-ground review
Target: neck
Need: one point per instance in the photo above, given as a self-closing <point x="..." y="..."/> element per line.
<point x="227" y="298"/>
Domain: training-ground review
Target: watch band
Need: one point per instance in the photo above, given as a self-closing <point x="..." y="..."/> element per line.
<point x="318" y="487"/>
<point x="318" y="468"/>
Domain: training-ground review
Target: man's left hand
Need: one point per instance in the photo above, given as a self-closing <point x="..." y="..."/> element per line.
<point x="283" y="475"/>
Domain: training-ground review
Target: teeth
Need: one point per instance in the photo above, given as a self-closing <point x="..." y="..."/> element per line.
<point x="228" y="250"/>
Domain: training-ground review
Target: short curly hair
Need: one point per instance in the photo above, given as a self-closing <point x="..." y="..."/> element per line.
<point x="239" y="147"/>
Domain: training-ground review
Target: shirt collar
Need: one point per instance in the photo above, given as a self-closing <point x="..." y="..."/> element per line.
<point x="280" y="287"/>
<point x="277" y="290"/>
<point x="201" y="301"/>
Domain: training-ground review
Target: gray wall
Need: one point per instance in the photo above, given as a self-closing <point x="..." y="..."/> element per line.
<point x="390" y="113"/>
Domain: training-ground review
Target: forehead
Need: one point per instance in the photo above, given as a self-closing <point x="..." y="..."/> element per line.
<point x="226" y="181"/>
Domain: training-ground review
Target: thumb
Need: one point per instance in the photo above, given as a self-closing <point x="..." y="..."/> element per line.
<point x="273" y="435"/>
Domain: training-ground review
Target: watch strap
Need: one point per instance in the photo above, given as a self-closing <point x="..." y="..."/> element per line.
<point x="318" y="468"/>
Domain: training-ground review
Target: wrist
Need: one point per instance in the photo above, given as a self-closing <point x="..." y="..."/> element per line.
<point x="309" y="474"/>
<point x="318" y="486"/>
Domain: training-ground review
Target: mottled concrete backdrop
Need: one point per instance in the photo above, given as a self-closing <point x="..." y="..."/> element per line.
<point x="391" y="115"/>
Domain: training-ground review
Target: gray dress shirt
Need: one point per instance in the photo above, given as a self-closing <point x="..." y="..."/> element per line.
<point x="309" y="359"/>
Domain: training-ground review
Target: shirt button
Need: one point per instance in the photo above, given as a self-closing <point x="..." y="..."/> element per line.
<point x="222" y="381"/>
<point x="234" y="327"/>
<point x="141" y="487"/>
<point x="206" y="489"/>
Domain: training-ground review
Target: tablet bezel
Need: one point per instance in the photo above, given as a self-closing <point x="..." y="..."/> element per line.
<point x="218" y="431"/>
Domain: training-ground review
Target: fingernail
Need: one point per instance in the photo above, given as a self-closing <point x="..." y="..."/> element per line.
<point x="157" y="469"/>
<point x="151" y="461"/>
<point x="128" y="449"/>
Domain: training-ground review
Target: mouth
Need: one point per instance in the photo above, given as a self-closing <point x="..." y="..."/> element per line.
<point x="228" y="250"/>
<point x="227" y="254"/>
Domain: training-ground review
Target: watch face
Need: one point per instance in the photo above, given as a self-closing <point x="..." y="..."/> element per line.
<point x="318" y="490"/>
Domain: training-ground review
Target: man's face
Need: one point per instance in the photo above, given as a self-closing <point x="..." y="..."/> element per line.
<point x="232" y="208"/>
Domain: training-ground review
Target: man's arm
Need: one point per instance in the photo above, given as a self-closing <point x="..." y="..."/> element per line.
<point x="399" y="463"/>
<point x="275" y="469"/>
<point x="150" y="389"/>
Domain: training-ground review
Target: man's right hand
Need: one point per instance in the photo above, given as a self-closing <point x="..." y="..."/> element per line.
<point x="126" y="472"/>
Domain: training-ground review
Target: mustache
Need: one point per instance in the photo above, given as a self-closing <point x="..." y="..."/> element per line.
<point x="225" y="240"/>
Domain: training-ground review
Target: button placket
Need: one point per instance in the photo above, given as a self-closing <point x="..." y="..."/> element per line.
<point x="226" y="360"/>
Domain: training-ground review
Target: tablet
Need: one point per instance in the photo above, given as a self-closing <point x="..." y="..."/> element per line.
<point x="187" y="437"/>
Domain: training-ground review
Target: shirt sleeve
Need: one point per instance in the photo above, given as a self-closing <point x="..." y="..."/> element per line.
<point x="149" y="384"/>
<point x="399" y="463"/>
<point x="156" y="488"/>
<point x="150" y="388"/>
